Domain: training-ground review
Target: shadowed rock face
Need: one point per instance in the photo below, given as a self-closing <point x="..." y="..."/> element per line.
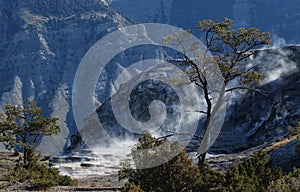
<point x="252" y="119"/>
<point x="285" y="157"/>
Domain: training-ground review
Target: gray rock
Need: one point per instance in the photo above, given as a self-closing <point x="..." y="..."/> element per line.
<point x="285" y="157"/>
<point x="41" y="46"/>
<point x="281" y="19"/>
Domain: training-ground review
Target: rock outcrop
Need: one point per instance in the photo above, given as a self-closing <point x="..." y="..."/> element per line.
<point x="41" y="46"/>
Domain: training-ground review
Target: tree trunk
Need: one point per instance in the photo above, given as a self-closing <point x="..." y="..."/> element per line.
<point x="25" y="149"/>
<point x="25" y="156"/>
<point x="201" y="159"/>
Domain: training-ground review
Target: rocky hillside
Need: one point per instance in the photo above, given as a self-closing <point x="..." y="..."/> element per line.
<point x="41" y="46"/>
<point x="281" y="19"/>
<point x="251" y="120"/>
<point x="43" y="42"/>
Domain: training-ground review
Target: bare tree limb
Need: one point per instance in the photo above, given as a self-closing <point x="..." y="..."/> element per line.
<point x="249" y="89"/>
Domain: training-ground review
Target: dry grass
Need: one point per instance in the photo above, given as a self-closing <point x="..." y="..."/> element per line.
<point x="280" y="144"/>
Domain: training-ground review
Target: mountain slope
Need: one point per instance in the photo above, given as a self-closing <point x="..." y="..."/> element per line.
<point x="41" y="46"/>
<point x="43" y="42"/>
<point x="281" y="19"/>
<point x="251" y="120"/>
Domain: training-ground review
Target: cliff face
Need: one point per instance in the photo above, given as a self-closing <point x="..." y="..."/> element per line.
<point x="41" y="46"/>
<point x="251" y="120"/>
<point x="281" y="19"/>
<point x="43" y="42"/>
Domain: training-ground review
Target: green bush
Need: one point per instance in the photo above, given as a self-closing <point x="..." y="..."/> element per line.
<point x="42" y="184"/>
<point x="252" y="175"/>
<point x="178" y="174"/>
<point x="288" y="183"/>
<point x="38" y="175"/>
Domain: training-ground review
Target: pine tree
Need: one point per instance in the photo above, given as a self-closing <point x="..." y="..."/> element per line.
<point x="22" y="126"/>
<point x="230" y="48"/>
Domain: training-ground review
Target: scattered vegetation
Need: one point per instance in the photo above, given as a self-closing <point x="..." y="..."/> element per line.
<point x="20" y="128"/>
<point x="230" y="50"/>
<point x="288" y="183"/>
<point x="180" y="174"/>
<point x="252" y="175"/>
<point x="37" y="174"/>
<point x="177" y="174"/>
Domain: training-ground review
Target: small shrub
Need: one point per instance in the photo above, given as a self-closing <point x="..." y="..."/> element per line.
<point x="42" y="184"/>
<point x="38" y="175"/>
<point x="288" y="183"/>
<point x="131" y="187"/>
<point x="252" y="175"/>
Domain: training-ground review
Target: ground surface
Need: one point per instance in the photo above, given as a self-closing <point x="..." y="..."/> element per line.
<point x="100" y="183"/>
<point x="110" y="183"/>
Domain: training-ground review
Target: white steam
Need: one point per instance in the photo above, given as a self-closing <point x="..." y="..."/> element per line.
<point x="276" y="66"/>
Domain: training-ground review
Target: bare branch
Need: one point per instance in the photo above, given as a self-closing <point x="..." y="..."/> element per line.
<point x="249" y="89"/>
<point x="204" y="112"/>
<point x="178" y="134"/>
